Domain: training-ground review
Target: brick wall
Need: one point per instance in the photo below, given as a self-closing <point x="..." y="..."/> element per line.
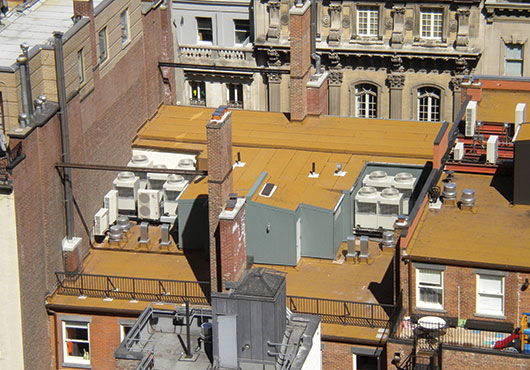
<point x="317" y="99"/>
<point x="404" y="350"/>
<point x="233" y="251"/>
<point x="336" y="356"/>
<point x="219" y="146"/>
<point x="473" y="360"/>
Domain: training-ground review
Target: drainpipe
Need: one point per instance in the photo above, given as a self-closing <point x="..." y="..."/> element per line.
<point x="25" y="47"/>
<point x="26" y="102"/>
<point x="61" y="93"/>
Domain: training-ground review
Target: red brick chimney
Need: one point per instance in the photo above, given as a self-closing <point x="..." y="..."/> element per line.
<point x="85" y="8"/>
<point x="317" y="94"/>
<point x="300" y="29"/>
<point x="233" y="250"/>
<point x="219" y="146"/>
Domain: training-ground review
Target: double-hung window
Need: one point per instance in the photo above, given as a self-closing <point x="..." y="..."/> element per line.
<point x="490" y="295"/>
<point x="204" y="30"/>
<point x="242" y="31"/>
<point x="429" y="104"/>
<point x="124" y="25"/>
<point x="366" y="101"/>
<point x="513" y="60"/>
<point x="431" y="24"/>
<point x="368" y="21"/>
<point x="102" y="45"/>
<point x="76" y="342"/>
<point x="429" y="288"/>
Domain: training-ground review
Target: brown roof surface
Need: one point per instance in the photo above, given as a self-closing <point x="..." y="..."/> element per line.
<point x="499" y="105"/>
<point x="524" y="133"/>
<point x="497" y="233"/>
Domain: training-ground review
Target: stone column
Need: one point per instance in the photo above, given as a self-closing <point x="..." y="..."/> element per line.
<point x="274" y="79"/>
<point x="396" y="81"/>
<point x="398" y="15"/>
<point x="335" y="82"/>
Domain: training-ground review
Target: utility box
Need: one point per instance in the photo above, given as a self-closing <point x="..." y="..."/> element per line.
<point x="471" y="118"/>
<point x="492" y="149"/>
<point x="458" y="152"/>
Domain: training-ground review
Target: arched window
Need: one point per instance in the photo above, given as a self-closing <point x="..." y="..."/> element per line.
<point x="429" y="104"/>
<point x="366" y="101"/>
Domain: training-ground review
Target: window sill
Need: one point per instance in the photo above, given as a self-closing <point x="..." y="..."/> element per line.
<point x="366" y="40"/>
<point x="490" y="316"/>
<point x="430" y="43"/>
<point x="429" y="309"/>
<point x="75" y="365"/>
<point x="125" y="44"/>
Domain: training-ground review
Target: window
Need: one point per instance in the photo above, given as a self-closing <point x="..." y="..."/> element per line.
<point x="103" y="49"/>
<point x="429" y="104"/>
<point x="514" y="60"/>
<point x="76" y="345"/>
<point x="80" y="67"/>
<point x="198" y="93"/>
<point x="367" y="21"/>
<point x="124" y="330"/>
<point x="366" y="101"/>
<point x="490" y="295"/>
<point x="234" y="93"/>
<point x="242" y="30"/>
<point x="204" y="30"/>
<point x="431" y="23"/>
<point x="429" y="288"/>
<point x="124" y="23"/>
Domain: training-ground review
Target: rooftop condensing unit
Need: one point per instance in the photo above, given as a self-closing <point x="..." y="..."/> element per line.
<point x="140" y="160"/>
<point x="458" y="152"/>
<point x="156" y="181"/>
<point x="149" y="204"/>
<point x="173" y="187"/>
<point x="404" y="182"/>
<point x="377" y="179"/>
<point x="187" y="164"/>
<point x="471" y="118"/>
<point x="110" y="202"/>
<point x="366" y="201"/>
<point x="389" y="208"/>
<point x="127" y="185"/>
<point x="101" y="222"/>
<point x="492" y="149"/>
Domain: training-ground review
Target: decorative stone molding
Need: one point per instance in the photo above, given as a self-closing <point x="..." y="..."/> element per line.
<point x="396" y="80"/>
<point x="346" y="22"/>
<point x="274" y="77"/>
<point x="462" y="37"/>
<point x="389" y="23"/>
<point x="462" y="66"/>
<point x="273" y="32"/>
<point x="335" y="10"/>
<point x="334" y="59"/>
<point x="273" y="57"/>
<point x="335" y="78"/>
<point x="398" y="15"/>
<point x="397" y="63"/>
<point x="456" y="83"/>
<point x="326" y="21"/>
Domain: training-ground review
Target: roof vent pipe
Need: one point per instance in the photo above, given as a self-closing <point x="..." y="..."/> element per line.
<point x="449" y="192"/>
<point x="318" y="63"/>
<point x="25" y="50"/>
<point x="38" y="105"/>
<point x="23" y="120"/>
<point x="26" y="101"/>
<point x="468" y="198"/>
<point x="43" y="99"/>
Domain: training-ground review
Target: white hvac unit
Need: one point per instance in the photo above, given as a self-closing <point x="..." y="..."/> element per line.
<point x="156" y="181"/>
<point x="110" y="202"/>
<point x="127" y="185"/>
<point x="389" y="208"/>
<point x="101" y="222"/>
<point x="148" y="204"/>
<point x="492" y="149"/>
<point x="140" y="160"/>
<point x="377" y="179"/>
<point x="404" y="182"/>
<point x="471" y="118"/>
<point x="366" y="201"/>
<point x="458" y="152"/>
<point x="188" y="164"/>
<point x="173" y="187"/>
<point x="520" y="118"/>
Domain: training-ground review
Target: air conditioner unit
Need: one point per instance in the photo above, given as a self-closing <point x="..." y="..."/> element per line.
<point x="520" y="118"/>
<point x="156" y="181"/>
<point x="471" y="118"/>
<point x="127" y="185"/>
<point x="458" y="152"/>
<point x="148" y="204"/>
<point x="101" y="221"/>
<point x="389" y="208"/>
<point x="110" y="202"/>
<point x="492" y="149"/>
<point x="404" y="182"/>
<point x="377" y="179"/>
<point x="366" y="201"/>
<point x="173" y="187"/>
<point x="140" y="160"/>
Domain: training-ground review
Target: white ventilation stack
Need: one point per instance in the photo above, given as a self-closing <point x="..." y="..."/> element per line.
<point x="520" y="118"/>
<point x="101" y="222"/>
<point x="389" y="208"/>
<point x="173" y="187"/>
<point x="127" y="185"/>
<point x="404" y="182"/>
<point x="148" y="204"/>
<point x="110" y="202"/>
<point x="366" y="201"/>
<point x="377" y="179"/>
<point x="140" y="160"/>
<point x="471" y="118"/>
<point x="458" y="151"/>
<point x="492" y="149"/>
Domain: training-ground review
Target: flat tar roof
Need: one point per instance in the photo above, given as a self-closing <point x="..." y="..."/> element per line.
<point x="499" y="105"/>
<point x="498" y="233"/>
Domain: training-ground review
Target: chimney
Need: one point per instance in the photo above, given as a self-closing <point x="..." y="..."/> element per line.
<point x="233" y="250"/>
<point x="219" y="146"/>
<point x="317" y="90"/>
<point x="84" y="8"/>
<point x="300" y="29"/>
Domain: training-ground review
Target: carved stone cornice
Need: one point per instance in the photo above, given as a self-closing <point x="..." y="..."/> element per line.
<point x="273" y="57"/>
<point x="456" y="83"/>
<point x="334" y="59"/>
<point x="396" y="80"/>
<point x="462" y="66"/>
<point x="397" y="63"/>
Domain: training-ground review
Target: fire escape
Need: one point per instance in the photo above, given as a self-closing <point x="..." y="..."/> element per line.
<point x="9" y="158"/>
<point x="426" y="351"/>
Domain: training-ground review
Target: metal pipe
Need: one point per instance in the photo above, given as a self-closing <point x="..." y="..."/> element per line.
<point x="188" y="324"/>
<point x="103" y="167"/>
<point x="25" y="47"/>
<point x="26" y="102"/>
<point x="63" y="114"/>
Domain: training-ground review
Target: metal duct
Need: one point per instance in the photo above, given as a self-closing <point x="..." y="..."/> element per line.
<point x="26" y="102"/>
<point x="25" y="47"/>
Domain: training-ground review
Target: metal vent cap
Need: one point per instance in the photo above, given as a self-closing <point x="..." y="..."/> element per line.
<point x="449" y="191"/>
<point x="390" y="193"/>
<point x="140" y="159"/>
<point x="468" y="197"/>
<point x="368" y="191"/>
<point x="126" y="176"/>
<point x="378" y="176"/>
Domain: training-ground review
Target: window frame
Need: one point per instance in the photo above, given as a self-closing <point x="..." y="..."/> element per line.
<point x="369" y="9"/>
<point x="365" y="95"/>
<point x="67" y="359"/>
<point x="200" y="30"/>
<point x="81" y="66"/>
<point x="511" y="60"/>
<point x="432" y="26"/>
<point x="430" y="96"/>
<point x="125" y="27"/>
<point x="201" y="88"/>
<point x="502" y="295"/>
<point x="427" y="305"/>
<point x="103" y="48"/>
<point x="247" y="38"/>
<point x="355" y="36"/>
<point x="238" y="94"/>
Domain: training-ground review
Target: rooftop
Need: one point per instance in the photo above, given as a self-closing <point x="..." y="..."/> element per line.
<point x="496" y="233"/>
<point x="499" y="105"/>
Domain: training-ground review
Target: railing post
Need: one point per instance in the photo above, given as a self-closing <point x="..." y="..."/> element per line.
<point x="82" y="291"/>
<point x="134" y="289"/>
<point x="372" y="316"/>
<point x="185" y="291"/>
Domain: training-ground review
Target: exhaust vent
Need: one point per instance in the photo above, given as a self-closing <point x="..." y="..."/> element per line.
<point x="468" y="198"/>
<point x="449" y="192"/>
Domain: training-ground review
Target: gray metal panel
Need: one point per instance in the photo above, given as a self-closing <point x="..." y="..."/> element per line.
<point x="521" y="172"/>
<point x="193" y="223"/>
<point x="317" y="232"/>
<point x="259" y="321"/>
<point x="245" y="327"/>
<point x="227" y="341"/>
<point x="270" y="234"/>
